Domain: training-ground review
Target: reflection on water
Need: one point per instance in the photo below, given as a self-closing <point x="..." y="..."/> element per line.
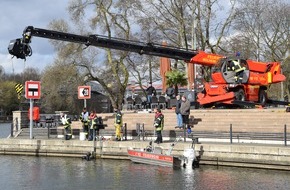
<point x="24" y="172"/>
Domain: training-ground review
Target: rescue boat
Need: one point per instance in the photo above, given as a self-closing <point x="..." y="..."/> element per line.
<point x="155" y="156"/>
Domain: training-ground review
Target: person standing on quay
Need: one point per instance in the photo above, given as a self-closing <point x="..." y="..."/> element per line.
<point x="66" y="122"/>
<point x="158" y="124"/>
<point x="185" y="110"/>
<point x="92" y="124"/>
<point x="150" y="92"/>
<point x="84" y="117"/>
<point x="118" y="124"/>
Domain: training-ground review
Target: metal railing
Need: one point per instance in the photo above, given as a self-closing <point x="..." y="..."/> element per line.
<point x="231" y="136"/>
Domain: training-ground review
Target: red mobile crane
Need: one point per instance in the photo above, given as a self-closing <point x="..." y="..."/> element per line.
<point x="221" y="89"/>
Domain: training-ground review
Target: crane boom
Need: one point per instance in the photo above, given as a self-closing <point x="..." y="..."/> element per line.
<point x="253" y="78"/>
<point x="98" y="41"/>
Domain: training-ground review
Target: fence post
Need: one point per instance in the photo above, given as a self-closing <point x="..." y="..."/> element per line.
<point x="285" y="135"/>
<point x="143" y="132"/>
<point x="231" y="133"/>
<point x="17" y="125"/>
<point x="184" y="131"/>
<point x="95" y="143"/>
<point x="48" y="131"/>
<point x="11" y="134"/>
<point x="138" y="131"/>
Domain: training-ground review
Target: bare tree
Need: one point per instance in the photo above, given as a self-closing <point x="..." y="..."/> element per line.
<point x="107" y="67"/>
<point x="179" y="21"/>
<point x="59" y="83"/>
<point x="264" y="24"/>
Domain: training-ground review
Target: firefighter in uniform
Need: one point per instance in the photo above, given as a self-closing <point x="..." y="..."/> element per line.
<point x="158" y="124"/>
<point x="84" y="118"/>
<point x="118" y="124"/>
<point x="92" y="125"/>
<point x="239" y="70"/>
<point x="67" y="128"/>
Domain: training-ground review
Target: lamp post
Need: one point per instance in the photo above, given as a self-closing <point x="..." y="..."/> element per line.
<point x="193" y="38"/>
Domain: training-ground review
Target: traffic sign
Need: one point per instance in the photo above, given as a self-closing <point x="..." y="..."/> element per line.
<point x="84" y="92"/>
<point x="32" y="90"/>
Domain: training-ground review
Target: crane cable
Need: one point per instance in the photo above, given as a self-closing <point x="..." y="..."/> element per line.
<point x="12" y="67"/>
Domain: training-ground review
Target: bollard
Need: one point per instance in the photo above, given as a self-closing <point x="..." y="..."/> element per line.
<point x="11" y="135"/>
<point x="231" y="134"/>
<point x="184" y="131"/>
<point x="285" y="135"/>
<point x="125" y="131"/>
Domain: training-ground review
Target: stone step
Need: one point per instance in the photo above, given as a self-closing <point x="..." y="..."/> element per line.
<point x="241" y="119"/>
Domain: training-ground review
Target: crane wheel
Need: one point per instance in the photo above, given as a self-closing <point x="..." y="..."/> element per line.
<point x="263" y="97"/>
<point x="240" y="95"/>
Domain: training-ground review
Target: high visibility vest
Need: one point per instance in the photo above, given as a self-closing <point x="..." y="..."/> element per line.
<point x="237" y="67"/>
<point x="67" y="123"/>
<point x="118" y="118"/>
<point x="93" y="123"/>
<point x="159" y="122"/>
<point x="84" y="118"/>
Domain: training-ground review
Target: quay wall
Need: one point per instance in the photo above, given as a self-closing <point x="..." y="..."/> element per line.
<point x="238" y="155"/>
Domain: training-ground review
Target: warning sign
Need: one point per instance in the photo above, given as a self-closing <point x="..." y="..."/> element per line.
<point x="32" y="89"/>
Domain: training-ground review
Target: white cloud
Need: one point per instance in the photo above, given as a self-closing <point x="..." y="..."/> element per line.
<point x="15" y="15"/>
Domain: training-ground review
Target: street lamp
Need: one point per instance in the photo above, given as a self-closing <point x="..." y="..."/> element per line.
<point x="194" y="48"/>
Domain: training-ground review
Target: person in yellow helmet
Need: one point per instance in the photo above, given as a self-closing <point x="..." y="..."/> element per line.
<point x="239" y="70"/>
<point x="68" y="129"/>
<point x="118" y="124"/>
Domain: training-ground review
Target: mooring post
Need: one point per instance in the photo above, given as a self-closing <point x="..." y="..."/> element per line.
<point x="231" y="133"/>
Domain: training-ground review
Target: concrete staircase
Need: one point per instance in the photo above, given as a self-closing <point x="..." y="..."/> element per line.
<point x="215" y="120"/>
<point x="37" y="133"/>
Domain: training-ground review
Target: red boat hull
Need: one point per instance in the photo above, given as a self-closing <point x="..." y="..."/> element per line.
<point x="144" y="157"/>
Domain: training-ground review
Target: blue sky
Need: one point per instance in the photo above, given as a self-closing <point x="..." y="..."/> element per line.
<point x="15" y="15"/>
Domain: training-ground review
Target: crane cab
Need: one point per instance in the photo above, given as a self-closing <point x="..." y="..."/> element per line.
<point x="224" y="73"/>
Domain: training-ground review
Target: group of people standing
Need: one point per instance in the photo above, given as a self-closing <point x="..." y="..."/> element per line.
<point x="91" y="123"/>
<point x="182" y="111"/>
